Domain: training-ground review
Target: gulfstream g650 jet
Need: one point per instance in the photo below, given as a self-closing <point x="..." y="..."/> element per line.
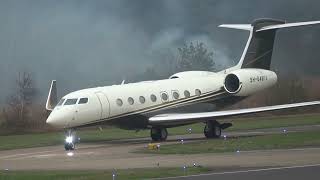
<point x="141" y="105"/>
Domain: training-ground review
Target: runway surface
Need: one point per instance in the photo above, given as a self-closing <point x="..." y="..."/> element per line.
<point x="118" y="154"/>
<point x="309" y="172"/>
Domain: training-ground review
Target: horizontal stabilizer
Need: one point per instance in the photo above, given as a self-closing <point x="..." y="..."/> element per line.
<point x="185" y="117"/>
<point x="52" y="96"/>
<point x="246" y="27"/>
<point x="287" y="25"/>
<point x="249" y="27"/>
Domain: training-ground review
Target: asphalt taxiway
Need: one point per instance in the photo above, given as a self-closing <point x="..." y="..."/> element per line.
<point x="118" y="154"/>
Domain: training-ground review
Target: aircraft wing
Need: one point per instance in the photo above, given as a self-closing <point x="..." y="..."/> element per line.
<point x="164" y="119"/>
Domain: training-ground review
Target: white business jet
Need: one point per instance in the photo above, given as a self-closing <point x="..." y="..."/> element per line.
<point x="142" y="105"/>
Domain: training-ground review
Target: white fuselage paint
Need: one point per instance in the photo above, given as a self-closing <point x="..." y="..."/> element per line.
<point x="102" y="104"/>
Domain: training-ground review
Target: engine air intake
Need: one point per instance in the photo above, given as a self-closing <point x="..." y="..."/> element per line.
<point x="232" y="84"/>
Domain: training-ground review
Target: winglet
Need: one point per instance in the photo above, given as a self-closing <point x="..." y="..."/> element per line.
<point x="52" y="96"/>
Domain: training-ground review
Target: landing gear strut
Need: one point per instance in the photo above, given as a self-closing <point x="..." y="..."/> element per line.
<point x="70" y="140"/>
<point x="159" y="134"/>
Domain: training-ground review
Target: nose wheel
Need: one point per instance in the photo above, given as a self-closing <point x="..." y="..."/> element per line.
<point x="70" y="140"/>
<point x="159" y="134"/>
<point x="69" y="146"/>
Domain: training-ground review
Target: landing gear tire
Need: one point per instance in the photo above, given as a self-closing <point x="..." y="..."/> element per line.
<point x="69" y="146"/>
<point x="70" y="140"/>
<point x="212" y="130"/>
<point x="159" y="134"/>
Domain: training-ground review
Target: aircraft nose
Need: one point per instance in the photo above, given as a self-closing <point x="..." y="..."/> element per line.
<point x="50" y="120"/>
<point x="55" y="119"/>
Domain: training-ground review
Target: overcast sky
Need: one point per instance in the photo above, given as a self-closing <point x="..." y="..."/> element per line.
<point x="93" y="43"/>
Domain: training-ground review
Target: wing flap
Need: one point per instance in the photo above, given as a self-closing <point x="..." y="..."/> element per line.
<point x="191" y="117"/>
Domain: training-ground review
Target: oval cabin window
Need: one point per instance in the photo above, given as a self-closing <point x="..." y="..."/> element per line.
<point x="130" y="100"/>
<point x="119" y="102"/>
<point x="175" y="95"/>
<point x="153" y="98"/>
<point x="142" y="99"/>
<point x="186" y="94"/>
<point x="164" y="96"/>
<point x="198" y="92"/>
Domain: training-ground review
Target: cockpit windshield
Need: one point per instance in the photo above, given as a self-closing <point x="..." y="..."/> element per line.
<point x="60" y="102"/>
<point x="83" y="101"/>
<point x="70" y="102"/>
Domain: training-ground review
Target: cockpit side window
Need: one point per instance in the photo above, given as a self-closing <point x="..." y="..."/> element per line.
<point x="70" y="101"/>
<point x="60" y="102"/>
<point x="83" y="101"/>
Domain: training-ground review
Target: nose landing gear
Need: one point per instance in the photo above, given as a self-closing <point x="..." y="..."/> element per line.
<point x="70" y="140"/>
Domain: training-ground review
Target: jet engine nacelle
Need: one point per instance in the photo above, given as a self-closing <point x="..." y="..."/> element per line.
<point x="244" y="82"/>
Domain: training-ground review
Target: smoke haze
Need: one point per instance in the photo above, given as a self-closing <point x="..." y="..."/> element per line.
<point x="95" y="43"/>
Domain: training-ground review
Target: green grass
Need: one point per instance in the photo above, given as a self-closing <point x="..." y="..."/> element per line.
<point x="274" y="141"/>
<point x="54" y="138"/>
<point x="29" y="140"/>
<point x="120" y="174"/>
<point x="274" y="122"/>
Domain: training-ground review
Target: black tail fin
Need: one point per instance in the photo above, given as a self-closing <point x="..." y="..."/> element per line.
<point x="259" y="48"/>
<point x="259" y="52"/>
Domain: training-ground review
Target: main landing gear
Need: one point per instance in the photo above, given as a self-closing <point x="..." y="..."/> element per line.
<point x="213" y="129"/>
<point x="159" y="134"/>
<point x="70" y="140"/>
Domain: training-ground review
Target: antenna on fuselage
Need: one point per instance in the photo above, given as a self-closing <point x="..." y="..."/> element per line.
<point x="123" y="81"/>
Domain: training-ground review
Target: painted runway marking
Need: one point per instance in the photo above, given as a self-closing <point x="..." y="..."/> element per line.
<point x="25" y="154"/>
<point x="47" y="156"/>
<point x="245" y="171"/>
<point x="280" y="150"/>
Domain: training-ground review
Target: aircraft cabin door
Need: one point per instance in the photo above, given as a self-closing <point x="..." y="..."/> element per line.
<point x="105" y="105"/>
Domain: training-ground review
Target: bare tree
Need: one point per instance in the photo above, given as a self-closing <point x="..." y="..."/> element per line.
<point x="2" y="118"/>
<point x="19" y="103"/>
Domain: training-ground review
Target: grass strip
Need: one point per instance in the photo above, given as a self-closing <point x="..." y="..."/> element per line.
<point x="119" y="174"/>
<point x="265" y="142"/>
